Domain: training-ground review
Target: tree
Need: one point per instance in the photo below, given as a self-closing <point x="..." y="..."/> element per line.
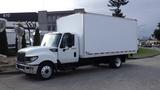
<point x="156" y="33"/>
<point x="3" y="43"/>
<point x="36" y="41"/>
<point x="20" y="34"/>
<point x="16" y="44"/>
<point x="23" y="41"/>
<point x="31" y="25"/>
<point x="116" y="4"/>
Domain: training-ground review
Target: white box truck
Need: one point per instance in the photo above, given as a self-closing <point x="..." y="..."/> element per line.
<point x="81" y="39"/>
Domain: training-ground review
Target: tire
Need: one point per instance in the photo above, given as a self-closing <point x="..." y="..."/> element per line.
<point x="74" y="69"/>
<point x="45" y="71"/>
<point x="116" y="63"/>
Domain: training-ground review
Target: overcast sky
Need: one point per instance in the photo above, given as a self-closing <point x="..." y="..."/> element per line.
<point x="145" y="11"/>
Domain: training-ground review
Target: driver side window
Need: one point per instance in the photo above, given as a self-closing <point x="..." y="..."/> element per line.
<point x="67" y="40"/>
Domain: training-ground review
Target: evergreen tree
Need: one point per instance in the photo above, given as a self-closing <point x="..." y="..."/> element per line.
<point x="3" y="43"/>
<point x="116" y="4"/>
<point x="16" y="44"/>
<point x="156" y="33"/>
<point x="23" y="41"/>
<point x="36" y="41"/>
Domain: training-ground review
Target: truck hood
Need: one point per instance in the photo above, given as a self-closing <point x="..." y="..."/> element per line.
<point x="32" y="51"/>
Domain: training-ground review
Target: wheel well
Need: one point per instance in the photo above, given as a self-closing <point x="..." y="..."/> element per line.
<point x="47" y="62"/>
<point x="40" y="66"/>
<point x="123" y="58"/>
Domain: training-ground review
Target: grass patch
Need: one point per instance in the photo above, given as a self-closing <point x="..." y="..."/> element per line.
<point x="144" y="53"/>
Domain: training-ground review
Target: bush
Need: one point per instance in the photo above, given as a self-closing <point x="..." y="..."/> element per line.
<point x="16" y="44"/>
<point x="23" y="41"/>
<point x="3" y="43"/>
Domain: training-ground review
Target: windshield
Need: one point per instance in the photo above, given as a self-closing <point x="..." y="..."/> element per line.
<point x="51" y="40"/>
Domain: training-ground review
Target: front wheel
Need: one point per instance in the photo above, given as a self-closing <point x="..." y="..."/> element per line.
<point x="116" y="63"/>
<point x="45" y="71"/>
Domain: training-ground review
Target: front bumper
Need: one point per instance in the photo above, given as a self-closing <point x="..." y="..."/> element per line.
<point x="30" y="69"/>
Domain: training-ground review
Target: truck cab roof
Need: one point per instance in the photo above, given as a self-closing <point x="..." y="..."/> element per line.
<point x="50" y="33"/>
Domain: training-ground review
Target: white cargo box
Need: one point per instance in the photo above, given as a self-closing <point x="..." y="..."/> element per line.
<point x="101" y="35"/>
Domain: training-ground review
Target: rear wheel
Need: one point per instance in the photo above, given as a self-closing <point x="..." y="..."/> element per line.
<point x="45" y="71"/>
<point x="116" y="63"/>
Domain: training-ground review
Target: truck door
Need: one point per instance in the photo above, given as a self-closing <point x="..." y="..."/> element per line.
<point x="68" y="49"/>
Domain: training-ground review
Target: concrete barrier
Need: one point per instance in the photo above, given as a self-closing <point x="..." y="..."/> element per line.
<point x="3" y="56"/>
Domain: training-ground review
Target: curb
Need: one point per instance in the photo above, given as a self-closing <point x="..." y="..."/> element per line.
<point x="4" y="56"/>
<point x="143" y="57"/>
<point x="11" y="71"/>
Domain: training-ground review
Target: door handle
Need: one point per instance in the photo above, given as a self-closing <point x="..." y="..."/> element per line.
<point x="75" y="54"/>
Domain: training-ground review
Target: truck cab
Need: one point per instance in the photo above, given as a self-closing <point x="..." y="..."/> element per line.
<point x="55" y="50"/>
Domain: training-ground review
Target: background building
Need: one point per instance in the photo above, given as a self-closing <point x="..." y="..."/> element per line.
<point x="14" y="18"/>
<point x="18" y="18"/>
<point x="27" y="16"/>
<point x="47" y="20"/>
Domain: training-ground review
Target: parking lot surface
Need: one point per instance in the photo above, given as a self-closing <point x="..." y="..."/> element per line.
<point x="141" y="74"/>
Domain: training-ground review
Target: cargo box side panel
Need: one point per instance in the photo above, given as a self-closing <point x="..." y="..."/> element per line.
<point x="105" y="35"/>
<point x="73" y="24"/>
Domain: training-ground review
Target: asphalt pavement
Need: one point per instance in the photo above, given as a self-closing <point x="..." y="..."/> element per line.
<point x="140" y="74"/>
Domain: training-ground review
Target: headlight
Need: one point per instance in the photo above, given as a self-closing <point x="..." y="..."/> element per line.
<point x="31" y="59"/>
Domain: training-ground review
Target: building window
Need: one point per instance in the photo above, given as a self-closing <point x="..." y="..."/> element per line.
<point x="7" y="15"/>
<point x="54" y="19"/>
<point x="50" y="19"/>
<point x="49" y="28"/>
<point x="53" y="27"/>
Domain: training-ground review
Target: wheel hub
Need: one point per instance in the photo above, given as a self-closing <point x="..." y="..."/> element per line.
<point x="46" y="71"/>
<point x="117" y="62"/>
